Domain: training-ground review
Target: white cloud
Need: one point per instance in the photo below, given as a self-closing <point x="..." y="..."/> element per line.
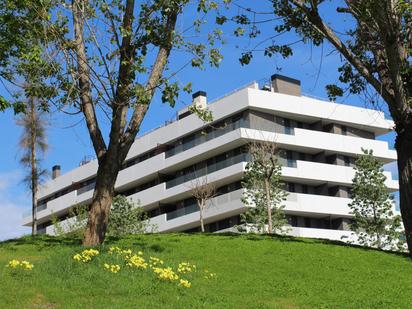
<point x="9" y="179"/>
<point x="10" y="221"/>
<point x="13" y="203"/>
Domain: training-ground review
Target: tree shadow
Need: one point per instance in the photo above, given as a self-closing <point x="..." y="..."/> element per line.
<point x="286" y="238"/>
<point x="43" y="240"/>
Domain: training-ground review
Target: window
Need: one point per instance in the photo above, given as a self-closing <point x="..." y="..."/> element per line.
<point x="291" y="187"/>
<point x="304" y="189"/>
<point x="288" y="129"/>
<point x="344" y="130"/>
<point x="307" y="222"/>
<point x="289" y="158"/>
<point x="346" y="160"/>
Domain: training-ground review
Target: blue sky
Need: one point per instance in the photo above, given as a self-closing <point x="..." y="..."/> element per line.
<point x="69" y="140"/>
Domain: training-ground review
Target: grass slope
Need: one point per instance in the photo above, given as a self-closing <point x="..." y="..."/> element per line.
<point x="253" y="272"/>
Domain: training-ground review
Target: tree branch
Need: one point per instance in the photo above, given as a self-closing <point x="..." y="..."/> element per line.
<point x="315" y="19"/>
<point x="126" y="75"/>
<point x="83" y="77"/>
<point x="155" y="75"/>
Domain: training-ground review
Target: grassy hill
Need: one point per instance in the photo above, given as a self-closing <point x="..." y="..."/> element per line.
<point x="251" y="272"/>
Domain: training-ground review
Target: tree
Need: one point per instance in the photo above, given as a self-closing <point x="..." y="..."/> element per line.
<point x="376" y="51"/>
<point x="117" y="59"/>
<point x="33" y="143"/>
<point x="203" y="192"/>
<point x="23" y="31"/>
<point x="264" y="191"/>
<point x="374" y="222"/>
<point x="126" y="218"/>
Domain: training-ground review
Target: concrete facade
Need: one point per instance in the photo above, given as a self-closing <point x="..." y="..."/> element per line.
<point x="319" y="141"/>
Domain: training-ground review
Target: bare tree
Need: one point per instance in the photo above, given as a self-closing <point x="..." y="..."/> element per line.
<point x="203" y="191"/>
<point x="263" y="187"/>
<point x="33" y="144"/>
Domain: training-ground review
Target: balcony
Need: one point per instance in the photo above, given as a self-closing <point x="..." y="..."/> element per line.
<point x="202" y="138"/>
<point x="305" y="204"/>
<point x="315" y="141"/>
<point x="321" y="233"/>
<point x="242" y="157"/>
<point x="144" y="169"/>
<point x="317" y="173"/>
<point x="220" y="207"/>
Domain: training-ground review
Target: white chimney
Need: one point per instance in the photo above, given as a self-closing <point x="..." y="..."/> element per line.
<point x="199" y="99"/>
<point x="56" y="171"/>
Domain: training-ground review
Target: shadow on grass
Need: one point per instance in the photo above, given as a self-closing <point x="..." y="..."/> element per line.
<point x="43" y="240"/>
<point x="285" y="238"/>
<point x="142" y="240"/>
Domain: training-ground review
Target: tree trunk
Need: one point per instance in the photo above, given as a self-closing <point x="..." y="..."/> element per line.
<point x="102" y="200"/>
<point x="33" y="163"/>
<point x="201" y="207"/>
<point x="404" y="151"/>
<point x="34" y="209"/>
<point x="269" y="209"/>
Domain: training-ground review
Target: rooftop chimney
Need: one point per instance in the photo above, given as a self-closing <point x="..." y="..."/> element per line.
<point x="199" y="99"/>
<point x="56" y="171"/>
<point x="285" y="85"/>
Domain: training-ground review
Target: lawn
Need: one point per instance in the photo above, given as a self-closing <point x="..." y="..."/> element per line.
<point x="252" y="272"/>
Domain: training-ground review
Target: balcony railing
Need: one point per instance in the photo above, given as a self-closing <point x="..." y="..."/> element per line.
<point x="182" y="211"/>
<point x="289" y="130"/>
<point x="206" y="137"/>
<point x="86" y="188"/>
<point x="218" y="200"/>
<point x="242" y="157"/>
<point x="40" y="207"/>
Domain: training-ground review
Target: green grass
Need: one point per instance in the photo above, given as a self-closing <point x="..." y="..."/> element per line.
<point x="253" y="272"/>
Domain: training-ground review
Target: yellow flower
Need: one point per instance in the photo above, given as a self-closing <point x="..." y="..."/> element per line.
<point x="112" y="268"/>
<point x="209" y="275"/>
<point x="165" y="273"/>
<point x="90" y="252"/>
<point x="20" y="264"/>
<point x="136" y="261"/>
<point x="185" y="283"/>
<point x="86" y="255"/>
<point x="27" y="265"/>
<point x="14" y="263"/>
<point x="184" y="268"/>
<point x="154" y="261"/>
<point x="127" y="252"/>
<point x="114" y="250"/>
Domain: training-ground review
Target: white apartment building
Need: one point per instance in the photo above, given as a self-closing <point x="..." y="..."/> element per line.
<point x="320" y="141"/>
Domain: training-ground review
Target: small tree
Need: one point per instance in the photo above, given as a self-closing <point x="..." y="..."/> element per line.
<point x="263" y="188"/>
<point x="74" y="227"/>
<point x="126" y="218"/>
<point x="203" y="192"/>
<point x="33" y="144"/>
<point x="374" y="223"/>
